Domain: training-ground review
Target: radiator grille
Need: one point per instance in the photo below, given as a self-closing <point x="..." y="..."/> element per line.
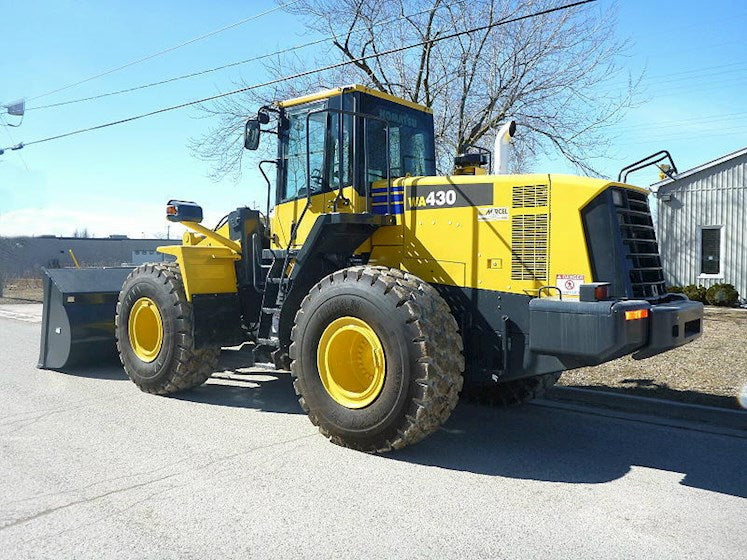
<point x="529" y="246"/>
<point x="639" y="236"/>
<point x="529" y="196"/>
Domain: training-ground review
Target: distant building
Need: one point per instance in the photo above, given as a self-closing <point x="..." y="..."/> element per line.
<point x="24" y="257"/>
<point x="702" y="223"/>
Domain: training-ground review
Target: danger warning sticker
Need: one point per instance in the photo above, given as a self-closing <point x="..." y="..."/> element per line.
<point x="569" y="284"/>
<point x="492" y="214"/>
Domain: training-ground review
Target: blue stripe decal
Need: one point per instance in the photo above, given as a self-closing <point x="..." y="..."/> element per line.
<point x="393" y="198"/>
<point x="396" y="209"/>
<point x="384" y="189"/>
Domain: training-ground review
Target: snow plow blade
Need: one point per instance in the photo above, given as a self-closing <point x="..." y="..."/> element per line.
<point x="78" y="316"/>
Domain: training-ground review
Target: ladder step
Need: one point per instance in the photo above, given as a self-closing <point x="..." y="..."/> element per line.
<point x="268" y="342"/>
<point x="270" y="310"/>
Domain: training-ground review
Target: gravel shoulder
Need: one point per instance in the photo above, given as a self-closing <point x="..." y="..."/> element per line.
<point x="710" y="371"/>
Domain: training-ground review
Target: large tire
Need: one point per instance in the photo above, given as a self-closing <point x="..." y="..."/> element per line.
<point x="175" y="365"/>
<point x="422" y="352"/>
<point x="511" y="393"/>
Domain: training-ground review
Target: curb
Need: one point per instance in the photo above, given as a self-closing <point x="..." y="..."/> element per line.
<point x="711" y="415"/>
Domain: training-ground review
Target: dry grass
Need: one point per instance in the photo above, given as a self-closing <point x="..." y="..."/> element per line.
<point x="24" y="290"/>
<point x="712" y="370"/>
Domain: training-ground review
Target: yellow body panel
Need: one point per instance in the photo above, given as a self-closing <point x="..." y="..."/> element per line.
<point x="205" y="269"/>
<point x="285" y="214"/>
<point x="528" y="234"/>
<point x="206" y="260"/>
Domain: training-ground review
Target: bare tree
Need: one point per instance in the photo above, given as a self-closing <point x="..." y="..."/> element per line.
<point x="83" y="233"/>
<point x="558" y="75"/>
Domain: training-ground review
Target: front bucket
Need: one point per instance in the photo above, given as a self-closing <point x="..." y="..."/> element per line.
<point x="78" y="316"/>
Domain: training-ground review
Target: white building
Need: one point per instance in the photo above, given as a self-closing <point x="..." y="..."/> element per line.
<point x="702" y="224"/>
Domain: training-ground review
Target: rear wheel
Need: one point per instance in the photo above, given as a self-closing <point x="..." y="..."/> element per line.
<point x="154" y="332"/>
<point x="376" y="358"/>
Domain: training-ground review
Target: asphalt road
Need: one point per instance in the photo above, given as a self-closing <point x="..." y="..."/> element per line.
<point x="90" y="467"/>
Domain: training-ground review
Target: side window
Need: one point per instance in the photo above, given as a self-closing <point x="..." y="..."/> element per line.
<point x="411" y="149"/>
<point x="375" y="147"/>
<point x="295" y="154"/>
<point x="710" y="250"/>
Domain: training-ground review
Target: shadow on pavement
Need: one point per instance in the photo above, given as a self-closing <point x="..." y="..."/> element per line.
<point x="541" y="443"/>
<point x="113" y="371"/>
<point x="265" y="391"/>
<point x="643" y="387"/>
<point x="238" y="384"/>
<point x="531" y="442"/>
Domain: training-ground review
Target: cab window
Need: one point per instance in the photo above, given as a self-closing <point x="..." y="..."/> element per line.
<point x="411" y="145"/>
<point x="330" y="152"/>
<point x="293" y="154"/>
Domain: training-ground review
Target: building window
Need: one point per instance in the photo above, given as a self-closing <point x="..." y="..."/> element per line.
<point x="710" y="250"/>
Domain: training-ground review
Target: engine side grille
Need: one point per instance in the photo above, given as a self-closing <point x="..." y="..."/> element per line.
<point x="639" y="237"/>
<point x="529" y="246"/>
<point x="529" y="196"/>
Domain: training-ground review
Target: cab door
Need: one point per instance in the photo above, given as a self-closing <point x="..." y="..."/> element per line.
<point x="293" y="184"/>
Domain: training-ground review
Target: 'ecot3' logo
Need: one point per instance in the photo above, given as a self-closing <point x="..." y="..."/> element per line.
<point x="448" y="196"/>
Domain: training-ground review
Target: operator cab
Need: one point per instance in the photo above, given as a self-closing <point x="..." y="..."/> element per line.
<point x="344" y="146"/>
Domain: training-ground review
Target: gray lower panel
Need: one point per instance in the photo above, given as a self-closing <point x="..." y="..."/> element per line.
<point x="495" y="327"/>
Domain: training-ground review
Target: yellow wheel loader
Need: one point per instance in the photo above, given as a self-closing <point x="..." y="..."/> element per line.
<point x="382" y="286"/>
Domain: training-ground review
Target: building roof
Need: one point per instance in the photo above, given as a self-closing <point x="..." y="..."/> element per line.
<point x="702" y="167"/>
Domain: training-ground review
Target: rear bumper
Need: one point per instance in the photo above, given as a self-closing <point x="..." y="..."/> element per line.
<point x="672" y="324"/>
<point x="594" y="332"/>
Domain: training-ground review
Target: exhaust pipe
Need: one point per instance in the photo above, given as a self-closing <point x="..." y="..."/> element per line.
<point x="500" y="149"/>
<point x="78" y="316"/>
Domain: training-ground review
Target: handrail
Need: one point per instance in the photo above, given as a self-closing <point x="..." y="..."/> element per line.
<point x="622" y="177"/>
<point x="267" y="180"/>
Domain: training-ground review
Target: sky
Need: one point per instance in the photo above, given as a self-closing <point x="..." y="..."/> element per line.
<point x="117" y="180"/>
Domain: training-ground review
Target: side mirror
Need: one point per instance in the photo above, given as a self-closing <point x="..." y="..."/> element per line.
<point x="251" y="134"/>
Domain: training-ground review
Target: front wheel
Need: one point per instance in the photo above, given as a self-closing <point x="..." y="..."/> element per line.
<point x="376" y="358"/>
<point x="154" y="332"/>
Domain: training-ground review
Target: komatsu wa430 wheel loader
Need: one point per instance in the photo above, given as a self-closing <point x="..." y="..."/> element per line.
<point x="382" y="286"/>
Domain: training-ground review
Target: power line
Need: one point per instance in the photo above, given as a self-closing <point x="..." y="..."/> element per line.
<point x="307" y="73"/>
<point x="669" y="137"/>
<point x="170" y="49"/>
<point x="224" y="66"/>
<point x="20" y="155"/>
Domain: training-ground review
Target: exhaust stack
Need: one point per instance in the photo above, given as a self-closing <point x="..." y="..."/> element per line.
<point x="500" y="150"/>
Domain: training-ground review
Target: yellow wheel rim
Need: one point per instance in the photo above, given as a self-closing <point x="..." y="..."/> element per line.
<point x="351" y="362"/>
<point x="145" y="329"/>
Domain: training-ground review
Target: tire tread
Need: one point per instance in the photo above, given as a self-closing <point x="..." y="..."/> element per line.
<point x="438" y="380"/>
<point x="192" y="367"/>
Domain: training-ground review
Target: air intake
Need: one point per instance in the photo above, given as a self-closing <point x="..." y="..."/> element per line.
<point x="529" y="246"/>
